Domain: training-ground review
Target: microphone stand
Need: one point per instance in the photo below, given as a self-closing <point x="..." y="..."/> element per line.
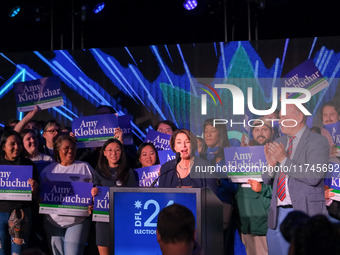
<point x="178" y="159"/>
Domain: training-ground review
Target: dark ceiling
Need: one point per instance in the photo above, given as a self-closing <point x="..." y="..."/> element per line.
<point x="71" y="24"/>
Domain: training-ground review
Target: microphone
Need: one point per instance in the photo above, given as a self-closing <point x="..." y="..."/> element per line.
<point x="178" y="159"/>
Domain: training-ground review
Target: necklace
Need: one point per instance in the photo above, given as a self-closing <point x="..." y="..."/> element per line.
<point x="183" y="168"/>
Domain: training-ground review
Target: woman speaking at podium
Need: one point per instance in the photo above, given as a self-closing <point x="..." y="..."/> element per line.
<point x="178" y="172"/>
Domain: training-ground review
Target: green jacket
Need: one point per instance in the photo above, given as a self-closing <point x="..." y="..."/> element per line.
<point x="253" y="209"/>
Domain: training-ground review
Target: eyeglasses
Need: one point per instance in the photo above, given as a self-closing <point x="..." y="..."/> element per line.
<point x="53" y="131"/>
<point x="113" y="151"/>
<point x="165" y="131"/>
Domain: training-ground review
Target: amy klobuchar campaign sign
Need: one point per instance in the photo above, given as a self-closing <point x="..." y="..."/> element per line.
<point x="45" y="92"/>
<point x="65" y="198"/>
<point x="243" y="163"/>
<point x="306" y="76"/>
<point x="93" y="131"/>
<point x="332" y="179"/>
<point x="160" y="140"/>
<point x="334" y="130"/>
<point x="101" y="205"/>
<point x="14" y="183"/>
<point x="147" y="175"/>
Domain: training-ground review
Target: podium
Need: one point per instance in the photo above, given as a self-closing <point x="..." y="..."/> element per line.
<point x="134" y="214"/>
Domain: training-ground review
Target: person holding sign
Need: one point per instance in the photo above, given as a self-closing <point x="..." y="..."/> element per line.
<point x="67" y="234"/>
<point x="31" y="146"/>
<point x="51" y="133"/>
<point x="147" y="155"/>
<point x="111" y="171"/>
<point x="253" y="199"/>
<point x="166" y="127"/>
<point x="176" y="172"/>
<point x="293" y="169"/>
<point x="12" y="154"/>
<point x="330" y="114"/>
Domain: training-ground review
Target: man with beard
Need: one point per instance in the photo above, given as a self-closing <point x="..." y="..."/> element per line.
<point x="253" y="199"/>
<point x="330" y="114"/>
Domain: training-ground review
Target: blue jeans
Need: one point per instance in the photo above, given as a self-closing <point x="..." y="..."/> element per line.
<point x="7" y="246"/>
<point x="69" y="240"/>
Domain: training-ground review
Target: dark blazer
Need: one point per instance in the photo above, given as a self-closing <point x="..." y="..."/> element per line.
<point x="306" y="187"/>
<point x="168" y="176"/>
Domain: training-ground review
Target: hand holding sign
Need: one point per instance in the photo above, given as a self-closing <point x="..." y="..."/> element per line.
<point x="255" y="185"/>
<point x="118" y="134"/>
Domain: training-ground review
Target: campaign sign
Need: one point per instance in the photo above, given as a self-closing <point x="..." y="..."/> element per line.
<point x="334" y="130"/>
<point x="135" y="219"/>
<point x="101" y="205"/>
<point x="65" y="198"/>
<point x="95" y="130"/>
<point x="243" y="163"/>
<point x="160" y="140"/>
<point x="124" y="122"/>
<point x="165" y="156"/>
<point x="147" y="175"/>
<point x="332" y="179"/>
<point x="14" y="183"/>
<point x="45" y="92"/>
<point x="306" y="76"/>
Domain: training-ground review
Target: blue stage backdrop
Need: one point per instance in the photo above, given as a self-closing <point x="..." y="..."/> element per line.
<point x="152" y="83"/>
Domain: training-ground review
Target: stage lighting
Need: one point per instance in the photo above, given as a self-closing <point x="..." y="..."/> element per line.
<point x="190" y="4"/>
<point x="14" y="11"/>
<point x="99" y="7"/>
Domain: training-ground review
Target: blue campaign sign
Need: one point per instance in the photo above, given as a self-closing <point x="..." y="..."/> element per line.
<point x="45" y="92"/>
<point x="101" y="205"/>
<point x="332" y="179"/>
<point x="135" y="219"/>
<point x="15" y="177"/>
<point x="165" y="156"/>
<point x="306" y="76"/>
<point x="14" y="182"/>
<point x="93" y="131"/>
<point x="160" y="140"/>
<point x="147" y="175"/>
<point x="244" y="161"/>
<point x="334" y="130"/>
<point x="66" y="193"/>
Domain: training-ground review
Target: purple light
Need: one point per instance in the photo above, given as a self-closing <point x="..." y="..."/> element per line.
<point x="190" y="4"/>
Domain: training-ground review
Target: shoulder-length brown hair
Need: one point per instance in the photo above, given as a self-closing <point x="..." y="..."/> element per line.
<point x="191" y="137"/>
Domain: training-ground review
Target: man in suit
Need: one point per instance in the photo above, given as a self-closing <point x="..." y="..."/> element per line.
<point x="297" y="162"/>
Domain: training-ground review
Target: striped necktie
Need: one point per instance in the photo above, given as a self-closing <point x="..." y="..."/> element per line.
<point x="281" y="182"/>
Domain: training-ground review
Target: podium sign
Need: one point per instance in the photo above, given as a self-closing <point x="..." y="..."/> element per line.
<point x="134" y="213"/>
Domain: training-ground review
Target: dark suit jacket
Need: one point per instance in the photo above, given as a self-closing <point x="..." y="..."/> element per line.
<point x="306" y="187"/>
<point x="168" y="176"/>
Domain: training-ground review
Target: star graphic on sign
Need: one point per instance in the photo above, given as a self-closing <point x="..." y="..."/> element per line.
<point x="138" y="204"/>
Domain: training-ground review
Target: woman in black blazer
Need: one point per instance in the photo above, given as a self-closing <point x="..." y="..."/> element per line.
<point x="178" y="172"/>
